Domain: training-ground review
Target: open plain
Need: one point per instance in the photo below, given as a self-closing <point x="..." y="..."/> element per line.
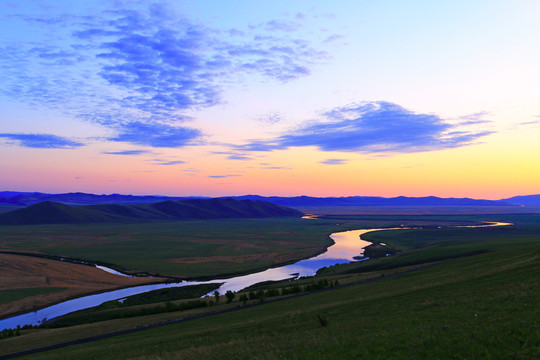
<point x="444" y="284"/>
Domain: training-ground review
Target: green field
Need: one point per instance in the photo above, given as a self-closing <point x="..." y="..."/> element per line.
<point x="193" y="249"/>
<point x="478" y="298"/>
<point x="187" y="249"/>
<point x="482" y="306"/>
<point x="7" y="296"/>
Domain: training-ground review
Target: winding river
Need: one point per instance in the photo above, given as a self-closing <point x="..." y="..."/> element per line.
<point x="347" y="244"/>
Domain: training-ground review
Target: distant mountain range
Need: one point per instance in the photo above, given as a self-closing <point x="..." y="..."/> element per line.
<point x="78" y="198"/>
<point x="307" y="201"/>
<point x="31" y="198"/>
<point x="49" y="212"/>
<point x="527" y="200"/>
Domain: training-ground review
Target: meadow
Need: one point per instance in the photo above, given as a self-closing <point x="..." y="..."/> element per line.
<point x="480" y="301"/>
<point x="477" y="301"/>
<point x="194" y="249"/>
<point x="174" y="249"/>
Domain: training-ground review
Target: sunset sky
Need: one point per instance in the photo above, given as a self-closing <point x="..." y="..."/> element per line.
<point x="319" y="98"/>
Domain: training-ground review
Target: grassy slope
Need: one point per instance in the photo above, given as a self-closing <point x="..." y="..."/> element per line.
<point x="484" y="306"/>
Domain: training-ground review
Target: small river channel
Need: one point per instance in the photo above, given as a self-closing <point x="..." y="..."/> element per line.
<point x="347" y="245"/>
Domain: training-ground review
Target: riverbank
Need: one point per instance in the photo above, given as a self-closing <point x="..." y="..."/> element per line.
<point x="53" y="282"/>
<point x="342" y="241"/>
<point x="302" y="268"/>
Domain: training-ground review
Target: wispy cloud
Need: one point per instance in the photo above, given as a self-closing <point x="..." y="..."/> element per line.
<point x="530" y="123"/>
<point x="137" y="72"/>
<point x="231" y="155"/>
<point x="333" y="38"/>
<point x="222" y="176"/>
<point x="42" y="141"/>
<point x="270" y="118"/>
<point x="168" y="163"/>
<point x="333" y="161"/>
<point x="156" y="134"/>
<point x="281" y="25"/>
<point x="126" y="152"/>
<point x="374" y="127"/>
<point x="238" y="157"/>
<point x="277" y="168"/>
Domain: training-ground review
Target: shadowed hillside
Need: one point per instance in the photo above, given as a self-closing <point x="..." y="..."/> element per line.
<point x="56" y="213"/>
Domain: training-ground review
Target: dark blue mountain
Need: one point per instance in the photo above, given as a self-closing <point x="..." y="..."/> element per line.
<point x="78" y="198"/>
<point x="307" y="201"/>
<point x="525" y="200"/>
<point x="25" y="199"/>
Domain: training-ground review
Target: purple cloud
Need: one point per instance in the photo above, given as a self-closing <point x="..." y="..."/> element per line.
<point x="126" y="152"/>
<point x="168" y="163"/>
<point x="333" y="161"/>
<point x="221" y="176"/>
<point x="373" y="127"/>
<point x="156" y="135"/>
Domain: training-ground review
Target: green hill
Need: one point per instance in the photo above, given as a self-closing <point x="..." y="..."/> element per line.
<point x="49" y="212"/>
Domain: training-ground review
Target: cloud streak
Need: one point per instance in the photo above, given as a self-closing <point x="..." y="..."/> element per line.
<point x="126" y="152"/>
<point x="333" y="161"/>
<point x="169" y="163"/>
<point x="221" y="176"/>
<point x="42" y="141"/>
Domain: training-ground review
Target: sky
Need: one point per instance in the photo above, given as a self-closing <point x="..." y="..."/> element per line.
<point x="286" y="98"/>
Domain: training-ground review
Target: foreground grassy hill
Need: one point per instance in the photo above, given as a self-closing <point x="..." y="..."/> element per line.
<point x="49" y="212"/>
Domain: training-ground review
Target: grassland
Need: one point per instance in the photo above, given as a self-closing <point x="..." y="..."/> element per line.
<point x="181" y="249"/>
<point x="28" y="283"/>
<point x="11" y="295"/>
<point x="190" y="249"/>
<point x="478" y="306"/>
<point x="478" y="301"/>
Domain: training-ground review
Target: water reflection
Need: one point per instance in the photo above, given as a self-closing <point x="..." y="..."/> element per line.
<point x="112" y="271"/>
<point x="347" y="245"/>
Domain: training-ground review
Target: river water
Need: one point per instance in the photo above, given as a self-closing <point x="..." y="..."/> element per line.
<point x="346" y="245"/>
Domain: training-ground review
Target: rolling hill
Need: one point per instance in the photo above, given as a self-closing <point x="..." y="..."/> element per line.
<point x="49" y="212"/>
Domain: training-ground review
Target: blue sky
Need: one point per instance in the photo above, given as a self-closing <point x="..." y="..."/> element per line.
<point x="202" y="90"/>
